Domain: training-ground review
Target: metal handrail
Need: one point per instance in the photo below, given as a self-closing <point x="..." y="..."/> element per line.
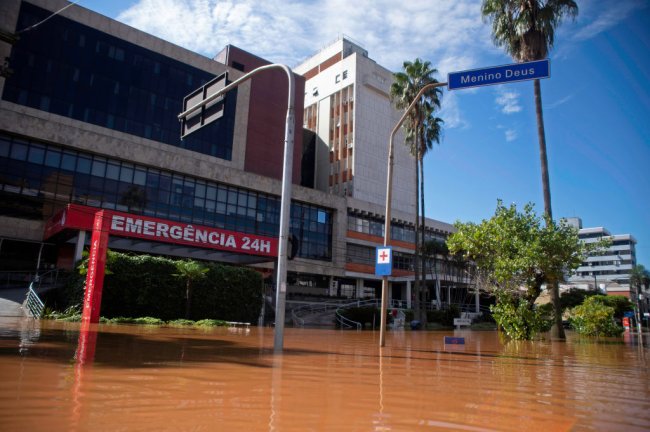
<point x="298" y="313"/>
<point x="348" y="323"/>
<point x="33" y="303"/>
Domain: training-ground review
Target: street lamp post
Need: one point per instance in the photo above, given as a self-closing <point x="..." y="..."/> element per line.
<point x="285" y="201"/>
<point x="389" y="193"/>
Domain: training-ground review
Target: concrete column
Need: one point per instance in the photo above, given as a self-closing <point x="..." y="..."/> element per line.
<point x="79" y="247"/>
<point x="408" y="294"/>
<point x="333" y="285"/>
<point x="477" y="300"/>
<point x="359" y="288"/>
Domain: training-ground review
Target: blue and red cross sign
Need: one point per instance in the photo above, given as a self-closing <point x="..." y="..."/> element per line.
<point x="384" y="261"/>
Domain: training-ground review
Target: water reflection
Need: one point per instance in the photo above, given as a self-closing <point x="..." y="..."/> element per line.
<point x="54" y="377"/>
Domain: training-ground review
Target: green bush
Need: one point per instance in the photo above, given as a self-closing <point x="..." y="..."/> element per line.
<point x="518" y="319"/>
<point x="145" y="286"/>
<point x="594" y="318"/>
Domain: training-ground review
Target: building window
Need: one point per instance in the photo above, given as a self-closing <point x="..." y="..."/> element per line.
<point x="39" y="179"/>
<point x="103" y="77"/>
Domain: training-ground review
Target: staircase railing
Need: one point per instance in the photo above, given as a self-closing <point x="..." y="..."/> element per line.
<point x="298" y="313"/>
<point x="33" y="303"/>
<point x="348" y="323"/>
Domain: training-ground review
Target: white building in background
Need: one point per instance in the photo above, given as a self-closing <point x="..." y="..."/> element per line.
<point x="607" y="270"/>
<point x="348" y="109"/>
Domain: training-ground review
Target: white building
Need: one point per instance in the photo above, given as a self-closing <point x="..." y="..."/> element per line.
<point x="607" y="270"/>
<point x="348" y="108"/>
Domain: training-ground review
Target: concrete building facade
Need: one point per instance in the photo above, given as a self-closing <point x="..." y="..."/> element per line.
<point x="608" y="270"/>
<point x="88" y="116"/>
<point x="348" y="109"/>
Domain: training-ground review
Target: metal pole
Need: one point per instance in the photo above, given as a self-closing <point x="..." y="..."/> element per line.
<point x="285" y="202"/>
<point x="389" y="193"/>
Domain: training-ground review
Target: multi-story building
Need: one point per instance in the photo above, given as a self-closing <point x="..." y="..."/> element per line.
<point x="88" y="122"/>
<point x="350" y="117"/>
<point x="605" y="270"/>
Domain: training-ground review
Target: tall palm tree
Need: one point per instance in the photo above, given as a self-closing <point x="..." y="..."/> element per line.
<point x="422" y="129"/>
<point x="526" y="30"/>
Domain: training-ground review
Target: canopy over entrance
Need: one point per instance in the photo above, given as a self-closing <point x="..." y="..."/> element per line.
<point x="146" y="234"/>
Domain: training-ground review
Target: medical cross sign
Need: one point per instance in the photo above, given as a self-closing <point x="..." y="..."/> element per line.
<point x="384" y="261"/>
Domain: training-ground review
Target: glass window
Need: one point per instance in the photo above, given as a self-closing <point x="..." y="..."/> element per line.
<point x="126" y="173"/>
<point x="18" y="151"/>
<point x="52" y="158"/>
<point x="140" y="177"/>
<point x="5" y="144"/>
<point x="43" y="81"/>
<point x="83" y="164"/>
<point x="36" y="154"/>
<point x="69" y="161"/>
<point x="211" y="193"/>
<point x="113" y="171"/>
<point x="99" y="167"/>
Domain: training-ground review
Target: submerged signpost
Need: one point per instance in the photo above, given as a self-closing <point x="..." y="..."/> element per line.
<point x="455" y="81"/>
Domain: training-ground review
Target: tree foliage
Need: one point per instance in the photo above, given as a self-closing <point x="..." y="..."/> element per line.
<point x="526" y="28"/>
<point x="516" y="253"/>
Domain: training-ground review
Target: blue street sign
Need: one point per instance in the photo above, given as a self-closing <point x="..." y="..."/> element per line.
<point x="499" y="74"/>
<point x="384" y="261"/>
<point x="450" y="340"/>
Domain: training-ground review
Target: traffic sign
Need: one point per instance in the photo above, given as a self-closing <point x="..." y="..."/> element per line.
<point x="208" y="112"/>
<point x="499" y="74"/>
<point x="384" y="261"/>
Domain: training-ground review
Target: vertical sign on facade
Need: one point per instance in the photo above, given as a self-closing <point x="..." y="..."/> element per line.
<point x="384" y="261"/>
<point x="96" y="270"/>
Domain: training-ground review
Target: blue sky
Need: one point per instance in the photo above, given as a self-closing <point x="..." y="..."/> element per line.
<point x="596" y="103"/>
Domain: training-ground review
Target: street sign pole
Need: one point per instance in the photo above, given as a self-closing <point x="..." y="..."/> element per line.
<point x="389" y="195"/>
<point x="285" y="200"/>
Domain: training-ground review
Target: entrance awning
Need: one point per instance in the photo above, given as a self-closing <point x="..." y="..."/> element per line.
<point x="146" y="234"/>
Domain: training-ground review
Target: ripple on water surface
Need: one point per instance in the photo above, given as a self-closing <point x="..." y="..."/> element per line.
<point x="151" y="378"/>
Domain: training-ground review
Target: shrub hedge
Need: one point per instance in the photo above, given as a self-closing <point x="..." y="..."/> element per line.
<point x="143" y="285"/>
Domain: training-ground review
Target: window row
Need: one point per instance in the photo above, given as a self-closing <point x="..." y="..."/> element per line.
<point x="38" y="179"/>
<point x="75" y="71"/>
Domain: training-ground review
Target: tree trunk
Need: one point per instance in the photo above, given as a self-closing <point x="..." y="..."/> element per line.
<point x="423" y="283"/>
<point x="416" y="264"/>
<point x="542" y="151"/>
<point x="557" y="331"/>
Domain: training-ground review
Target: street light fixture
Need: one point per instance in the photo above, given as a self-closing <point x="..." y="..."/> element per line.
<point x="389" y="193"/>
<point x="285" y="201"/>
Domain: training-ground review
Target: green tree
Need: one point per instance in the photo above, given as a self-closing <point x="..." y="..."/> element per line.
<point x="191" y="271"/>
<point x="575" y="297"/>
<point x="422" y="130"/>
<point x="515" y="254"/>
<point x="526" y="30"/>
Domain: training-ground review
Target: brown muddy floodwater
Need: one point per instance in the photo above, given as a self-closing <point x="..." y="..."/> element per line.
<point x="168" y="379"/>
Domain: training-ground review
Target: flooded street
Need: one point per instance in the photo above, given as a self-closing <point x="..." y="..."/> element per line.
<point x="172" y="379"/>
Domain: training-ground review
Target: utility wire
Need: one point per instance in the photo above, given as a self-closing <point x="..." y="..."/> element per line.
<point x="32" y="27"/>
